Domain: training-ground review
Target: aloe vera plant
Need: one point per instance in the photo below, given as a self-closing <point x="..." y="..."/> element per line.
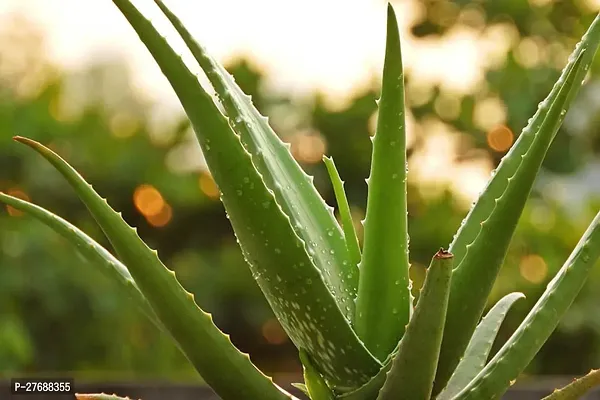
<point x="348" y="310"/>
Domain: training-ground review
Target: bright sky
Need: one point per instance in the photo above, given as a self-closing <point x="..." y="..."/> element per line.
<point x="334" y="45"/>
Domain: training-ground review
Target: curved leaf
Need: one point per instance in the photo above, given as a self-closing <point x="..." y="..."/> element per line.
<point x="479" y="347"/>
<point x="278" y="258"/>
<point x="472" y="284"/>
<point x="311" y="218"/>
<point x="524" y="344"/>
<point x="89" y="249"/>
<point x="208" y="349"/>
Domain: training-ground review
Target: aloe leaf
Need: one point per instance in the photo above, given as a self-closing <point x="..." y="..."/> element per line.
<point x="369" y="390"/>
<point x="345" y="214"/>
<point x="479" y="347"/>
<point x="485" y="204"/>
<point x="523" y="345"/>
<point x="301" y="386"/>
<point x="413" y="367"/>
<point x="473" y="279"/>
<point x="99" y="396"/>
<point x="89" y="249"/>
<point x="577" y="388"/>
<point x="315" y="384"/>
<point x="278" y="258"/>
<point x="383" y="302"/>
<point x="208" y="349"/>
<point x="312" y="219"/>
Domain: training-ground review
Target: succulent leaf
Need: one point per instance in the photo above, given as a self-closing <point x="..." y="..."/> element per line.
<point x="383" y="305"/>
<point x="485" y="204"/>
<point x="345" y="214"/>
<point x="479" y="347"/>
<point x="208" y="349"/>
<point x="473" y="279"/>
<point x="281" y="262"/>
<point x="523" y="345"/>
<point x="413" y="367"/>
<point x="576" y="389"/>
<point x="90" y="250"/>
<point x="315" y="384"/>
<point x="311" y="218"/>
<point x="302" y="387"/>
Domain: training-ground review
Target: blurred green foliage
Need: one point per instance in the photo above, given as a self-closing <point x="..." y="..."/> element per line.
<point x="59" y="314"/>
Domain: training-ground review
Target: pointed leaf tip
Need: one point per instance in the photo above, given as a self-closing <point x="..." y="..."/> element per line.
<point x="390" y="11"/>
<point x="393" y="35"/>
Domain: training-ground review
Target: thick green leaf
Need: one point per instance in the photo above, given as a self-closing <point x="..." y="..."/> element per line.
<point x="523" y="345"/>
<point x="413" y="367"/>
<point x="473" y="279"/>
<point x="315" y="384"/>
<point x="301" y="386"/>
<point x="311" y="218"/>
<point x="484" y="206"/>
<point x="369" y="390"/>
<point x="345" y="214"/>
<point x="208" y="349"/>
<point x="89" y="249"/>
<point x="576" y="389"/>
<point x="479" y="347"/>
<point x="383" y="305"/>
<point x="280" y="261"/>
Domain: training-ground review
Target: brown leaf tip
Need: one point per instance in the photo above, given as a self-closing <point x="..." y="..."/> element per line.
<point x="443" y="254"/>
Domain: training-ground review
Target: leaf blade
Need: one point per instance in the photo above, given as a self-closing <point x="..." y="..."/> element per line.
<point x="89" y="249"/>
<point x="265" y="232"/>
<point x="383" y="306"/>
<point x="413" y="367"/>
<point x="479" y="347"/>
<point x="191" y="327"/>
<point x="315" y="384"/>
<point x="541" y="321"/>
<point x="313" y="220"/>
<point x="576" y="389"/>
<point x="472" y="284"/>
<point x="346" y="216"/>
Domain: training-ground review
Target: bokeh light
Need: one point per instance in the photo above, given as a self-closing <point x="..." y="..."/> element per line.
<point x="533" y="268"/>
<point x="500" y="138"/>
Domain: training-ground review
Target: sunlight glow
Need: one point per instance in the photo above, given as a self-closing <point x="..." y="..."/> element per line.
<point x="208" y="185"/>
<point x="151" y="204"/>
<point x="500" y="138"/>
<point x="533" y="268"/>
